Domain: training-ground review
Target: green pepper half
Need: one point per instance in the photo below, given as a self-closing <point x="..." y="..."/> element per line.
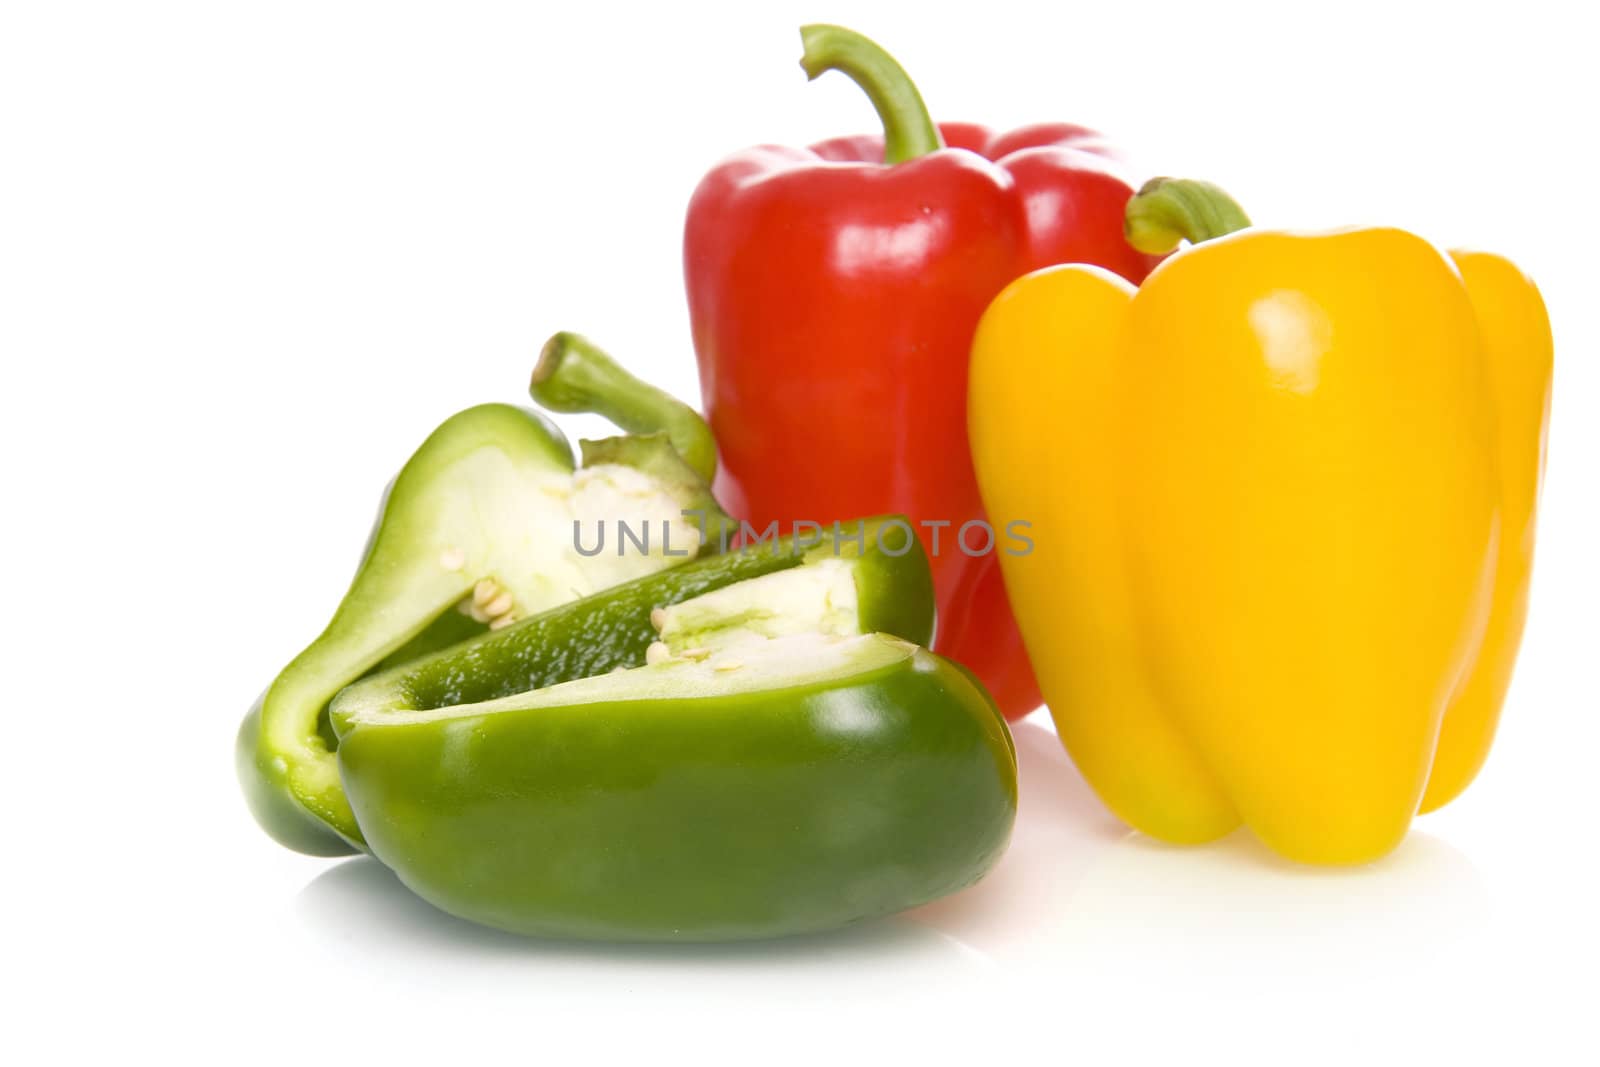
<point x="774" y="767"/>
<point x="488" y="522"/>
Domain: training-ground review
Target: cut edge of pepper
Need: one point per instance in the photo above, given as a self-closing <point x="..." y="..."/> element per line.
<point x="822" y="596"/>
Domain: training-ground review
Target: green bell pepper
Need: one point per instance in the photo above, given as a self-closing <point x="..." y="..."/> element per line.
<point x="483" y="526"/>
<point x="785" y="759"/>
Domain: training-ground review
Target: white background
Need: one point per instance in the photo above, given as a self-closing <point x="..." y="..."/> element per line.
<point x="249" y="256"/>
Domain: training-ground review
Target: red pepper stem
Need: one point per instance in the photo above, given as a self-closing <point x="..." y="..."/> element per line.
<point x="908" y="130"/>
<point x="1169" y="211"/>
<point x="573" y="375"/>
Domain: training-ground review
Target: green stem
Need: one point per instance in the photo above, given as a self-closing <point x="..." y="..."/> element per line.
<point x="574" y="376"/>
<point x="908" y="130"/>
<point x="1168" y="211"/>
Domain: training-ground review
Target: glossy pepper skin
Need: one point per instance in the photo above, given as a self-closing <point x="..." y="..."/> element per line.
<point x="753" y="787"/>
<point x="1288" y="583"/>
<point x="833" y="293"/>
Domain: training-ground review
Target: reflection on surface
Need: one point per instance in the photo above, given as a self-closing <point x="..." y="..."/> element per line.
<point x="1077" y="886"/>
<point x="361" y="905"/>
<point x="1076" y="891"/>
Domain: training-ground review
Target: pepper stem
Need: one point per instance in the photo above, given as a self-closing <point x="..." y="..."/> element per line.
<point x="572" y="375"/>
<point x="1168" y="211"/>
<point x="908" y="130"/>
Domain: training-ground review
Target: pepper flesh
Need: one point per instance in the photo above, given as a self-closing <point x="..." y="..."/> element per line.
<point x="1288" y="582"/>
<point x="770" y="786"/>
<point x="613" y="629"/>
<point x="833" y="298"/>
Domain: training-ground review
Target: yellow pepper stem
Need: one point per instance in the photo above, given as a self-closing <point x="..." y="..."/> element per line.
<point x="1169" y="211"/>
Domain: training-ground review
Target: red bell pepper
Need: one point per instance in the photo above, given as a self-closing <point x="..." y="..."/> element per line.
<point x="833" y="296"/>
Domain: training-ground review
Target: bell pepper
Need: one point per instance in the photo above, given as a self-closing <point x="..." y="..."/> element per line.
<point x="773" y="756"/>
<point x="833" y="293"/>
<point x="1283" y="499"/>
<point x="483" y="525"/>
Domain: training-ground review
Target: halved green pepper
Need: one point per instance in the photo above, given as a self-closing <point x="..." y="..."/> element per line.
<point x="777" y="765"/>
<point x="488" y="516"/>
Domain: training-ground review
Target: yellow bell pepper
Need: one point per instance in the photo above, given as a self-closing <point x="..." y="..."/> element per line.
<point x="1282" y="502"/>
